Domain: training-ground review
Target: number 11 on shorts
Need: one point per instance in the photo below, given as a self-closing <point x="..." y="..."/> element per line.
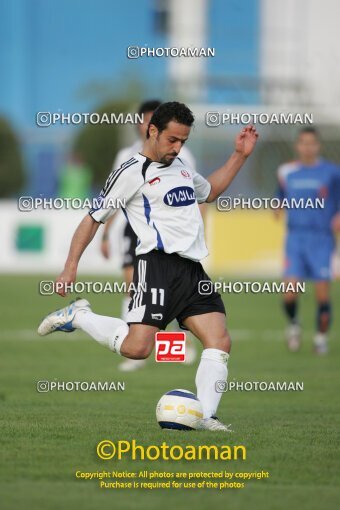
<point x="157" y="296"/>
<point x="170" y="346"/>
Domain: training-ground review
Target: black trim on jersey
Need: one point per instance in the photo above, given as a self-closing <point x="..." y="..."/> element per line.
<point x="114" y="176"/>
<point x="180" y="160"/>
<point x="146" y="165"/>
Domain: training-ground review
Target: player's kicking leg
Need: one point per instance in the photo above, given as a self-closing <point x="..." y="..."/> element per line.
<point x="135" y="342"/>
<point x="323" y="317"/>
<point x="290" y="306"/>
<point x="62" y="319"/>
<point x="210" y="329"/>
<point x="128" y="364"/>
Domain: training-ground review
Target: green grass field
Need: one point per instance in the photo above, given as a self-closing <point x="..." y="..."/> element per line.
<point x="46" y="437"/>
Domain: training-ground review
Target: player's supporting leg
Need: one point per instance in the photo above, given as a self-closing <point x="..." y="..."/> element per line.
<point x="323" y="316"/>
<point x="210" y="329"/>
<point x="128" y="364"/>
<point x="290" y="306"/>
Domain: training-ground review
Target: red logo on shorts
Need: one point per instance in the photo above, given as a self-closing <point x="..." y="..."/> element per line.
<point x="170" y="346"/>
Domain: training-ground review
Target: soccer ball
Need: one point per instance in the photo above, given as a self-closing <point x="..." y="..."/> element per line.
<point x="179" y="410"/>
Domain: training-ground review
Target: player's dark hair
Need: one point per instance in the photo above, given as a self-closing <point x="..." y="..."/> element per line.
<point x="167" y="112"/>
<point x="149" y="106"/>
<point x="309" y="130"/>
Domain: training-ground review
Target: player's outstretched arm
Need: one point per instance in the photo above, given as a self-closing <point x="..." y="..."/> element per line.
<point x="82" y="237"/>
<point x="222" y="178"/>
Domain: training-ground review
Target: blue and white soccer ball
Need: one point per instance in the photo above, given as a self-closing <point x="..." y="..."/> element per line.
<point x="179" y="410"/>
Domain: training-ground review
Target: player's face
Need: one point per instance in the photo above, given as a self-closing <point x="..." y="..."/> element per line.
<point x="142" y="128"/>
<point x="308" y="147"/>
<point x="169" y="142"/>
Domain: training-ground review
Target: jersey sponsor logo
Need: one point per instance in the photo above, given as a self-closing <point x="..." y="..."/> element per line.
<point x="154" y="181"/>
<point x="185" y="174"/>
<point x="170" y="346"/>
<point x="181" y="196"/>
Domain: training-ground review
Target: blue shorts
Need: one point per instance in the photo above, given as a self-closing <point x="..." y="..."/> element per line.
<point x="308" y="255"/>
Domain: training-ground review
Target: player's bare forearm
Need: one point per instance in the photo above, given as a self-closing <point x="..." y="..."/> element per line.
<point x="82" y="237"/>
<point x="107" y="226"/>
<point x="221" y="179"/>
<point x="105" y="245"/>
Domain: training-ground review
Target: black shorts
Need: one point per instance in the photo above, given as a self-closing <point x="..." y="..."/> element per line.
<point x="129" y="246"/>
<point x="166" y="287"/>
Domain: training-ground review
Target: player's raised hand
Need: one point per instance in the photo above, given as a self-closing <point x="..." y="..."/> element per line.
<point x="65" y="278"/>
<point x="246" y="141"/>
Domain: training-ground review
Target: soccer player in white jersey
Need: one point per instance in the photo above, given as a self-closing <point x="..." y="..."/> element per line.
<point x="129" y="237"/>
<point x="162" y="195"/>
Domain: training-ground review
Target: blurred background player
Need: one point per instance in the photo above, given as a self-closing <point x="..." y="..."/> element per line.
<point x="129" y="237"/>
<point x="75" y="179"/>
<point x="310" y="238"/>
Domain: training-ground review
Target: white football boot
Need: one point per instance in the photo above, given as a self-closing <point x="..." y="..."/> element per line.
<point x="214" y="425"/>
<point x="61" y="320"/>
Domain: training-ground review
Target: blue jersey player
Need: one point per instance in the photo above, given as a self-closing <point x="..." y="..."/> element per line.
<point x="315" y="183"/>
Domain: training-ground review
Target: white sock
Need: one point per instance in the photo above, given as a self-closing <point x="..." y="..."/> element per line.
<point x="212" y="368"/>
<point x="320" y="339"/>
<point x="125" y="307"/>
<point x="108" y="331"/>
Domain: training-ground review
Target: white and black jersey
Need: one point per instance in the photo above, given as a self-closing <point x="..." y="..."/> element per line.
<point x="161" y="205"/>
<point x="129" y="237"/>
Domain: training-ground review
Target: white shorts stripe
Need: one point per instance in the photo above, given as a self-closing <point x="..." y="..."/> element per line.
<point x="138" y="296"/>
